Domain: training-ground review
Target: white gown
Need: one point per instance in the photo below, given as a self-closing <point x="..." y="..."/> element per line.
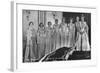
<point x="41" y="42"/>
<point x="78" y="36"/>
<point x="63" y="34"/>
<point x="83" y="41"/>
<point x="71" y="39"/>
<point x="31" y="44"/>
<point x="49" y="47"/>
<point x="66" y="35"/>
<point x="56" y="37"/>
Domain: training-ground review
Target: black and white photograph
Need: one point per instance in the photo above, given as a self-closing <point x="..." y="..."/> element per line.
<point x="49" y="36"/>
<point x="52" y="36"/>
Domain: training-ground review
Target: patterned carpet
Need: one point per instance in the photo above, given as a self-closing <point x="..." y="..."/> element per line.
<point x="60" y="55"/>
<point x="80" y="55"/>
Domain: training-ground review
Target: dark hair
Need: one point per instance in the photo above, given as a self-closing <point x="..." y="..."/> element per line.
<point x="41" y="25"/>
<point x="71" y="18"/>
<point x="30" y="23"/>
<point x="56" y="19"/>
<point x="63" y="18"/>
<point x="49" y="22"/>
<point x="82" y="15"/>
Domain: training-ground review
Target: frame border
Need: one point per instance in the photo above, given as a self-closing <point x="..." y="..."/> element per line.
<point x="14" y="29"/>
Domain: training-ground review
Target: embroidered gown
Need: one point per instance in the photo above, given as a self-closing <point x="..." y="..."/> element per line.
<point x="78" y="36"/>
<point x="84" y="37"/>
<point x="71" y="34"/>
<point x="49" y="44"/>
<point x="63" y="35"/>
<point x="41" y="42"/>
<point x="31" y="44"/>
<point x="34" y="42"/>
<point x="82" y="34"/>
<point x="66" y="35"/>
<point x="56" y="36"/>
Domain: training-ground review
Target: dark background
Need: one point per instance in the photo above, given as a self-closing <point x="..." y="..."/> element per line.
<point x="73" y="15"/>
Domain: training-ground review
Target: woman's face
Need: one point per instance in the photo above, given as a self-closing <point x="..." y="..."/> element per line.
<point x="77" y="18"/>
<point x="56" y="21"/>
<point x="63" y="20"/>
<point x="41" y="25"/>
<point x="49" y="24"/>
<point x="82" y="18"/>
<point x="31" y="25"/>
<point x="71" y="20"/>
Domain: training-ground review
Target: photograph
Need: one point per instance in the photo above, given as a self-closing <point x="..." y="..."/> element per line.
<point x="49" y="36"/>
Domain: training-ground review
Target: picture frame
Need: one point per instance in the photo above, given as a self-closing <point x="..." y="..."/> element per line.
<point x="17" y="33"/>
